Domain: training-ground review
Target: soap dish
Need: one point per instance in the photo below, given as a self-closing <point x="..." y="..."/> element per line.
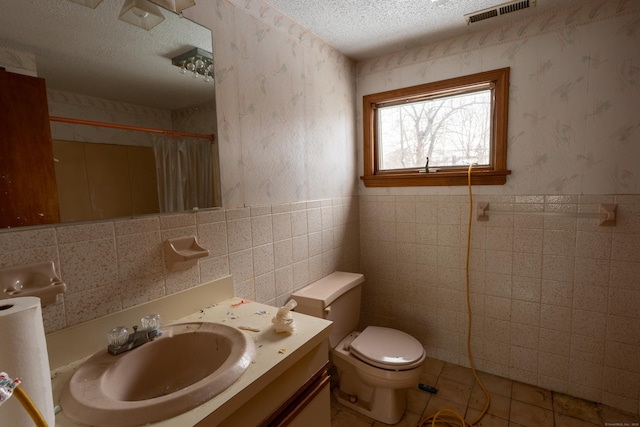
<point x="183" y="252"/>
<point x="33" y="280"/>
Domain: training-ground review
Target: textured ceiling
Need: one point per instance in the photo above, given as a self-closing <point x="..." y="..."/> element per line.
<point x="89" y="51"/>
<point x="363" y="29"/>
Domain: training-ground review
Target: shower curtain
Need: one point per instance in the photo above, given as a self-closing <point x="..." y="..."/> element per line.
<point x="184" y="172"/>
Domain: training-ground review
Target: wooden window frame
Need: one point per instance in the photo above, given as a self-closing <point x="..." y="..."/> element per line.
<point x="493" y="174"/>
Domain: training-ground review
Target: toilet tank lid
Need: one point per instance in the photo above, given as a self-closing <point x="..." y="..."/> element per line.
<point x="327" y="289"/>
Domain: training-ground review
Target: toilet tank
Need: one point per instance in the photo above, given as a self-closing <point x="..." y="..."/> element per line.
<point x="335" y="297"/>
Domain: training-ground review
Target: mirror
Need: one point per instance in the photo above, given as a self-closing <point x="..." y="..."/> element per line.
<point x="102" y="69"/>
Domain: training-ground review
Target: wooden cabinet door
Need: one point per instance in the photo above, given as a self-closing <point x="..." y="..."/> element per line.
<point x="28" y="192"/>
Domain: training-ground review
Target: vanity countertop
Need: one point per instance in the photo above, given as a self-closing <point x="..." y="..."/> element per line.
<point x="275" y="353"/>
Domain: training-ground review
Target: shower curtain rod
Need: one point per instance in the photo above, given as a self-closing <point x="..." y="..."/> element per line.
<point x="211" y="137"/>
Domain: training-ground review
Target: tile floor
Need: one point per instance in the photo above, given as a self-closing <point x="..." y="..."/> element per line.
<point x="513" y="404"/>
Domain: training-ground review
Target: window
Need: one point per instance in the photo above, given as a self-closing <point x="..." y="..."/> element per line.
<point x="452" y="123"/>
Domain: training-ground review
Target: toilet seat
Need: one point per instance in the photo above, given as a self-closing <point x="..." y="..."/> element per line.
<point x="387" y="348"/>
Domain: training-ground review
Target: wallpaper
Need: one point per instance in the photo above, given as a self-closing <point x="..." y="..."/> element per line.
<point x="285" y="100"/>
<point x="574" y="96"/>
<point x="18" y="62"/>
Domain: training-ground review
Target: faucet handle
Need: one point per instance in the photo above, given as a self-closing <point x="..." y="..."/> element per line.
<point x="118" y="336"/>
<point x="150" y="321"/>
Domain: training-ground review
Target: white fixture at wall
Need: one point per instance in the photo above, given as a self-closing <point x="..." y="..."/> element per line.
<point x="606" y="215"/>
<point x="183" y="253"/>
<point x="32" y="280"/>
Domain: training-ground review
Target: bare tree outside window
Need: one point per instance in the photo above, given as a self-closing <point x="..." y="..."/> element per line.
<point x="450" y="131"/>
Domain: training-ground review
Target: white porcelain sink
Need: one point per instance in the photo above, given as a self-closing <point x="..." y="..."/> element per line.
<point x="188" y="365"/>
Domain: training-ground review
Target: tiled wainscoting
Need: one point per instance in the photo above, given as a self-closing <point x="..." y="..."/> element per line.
<point x="554" y="297"/>
<point x="109" y="266"/>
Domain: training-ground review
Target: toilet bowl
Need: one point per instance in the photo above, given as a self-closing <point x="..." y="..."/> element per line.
<point x="376" y="366"/>
<point x="372" y="385"/>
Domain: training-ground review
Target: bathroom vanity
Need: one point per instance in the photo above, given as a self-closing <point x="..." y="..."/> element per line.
<point x="287" y="382"/>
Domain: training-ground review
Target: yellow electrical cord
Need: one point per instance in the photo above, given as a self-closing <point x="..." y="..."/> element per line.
<point x="446" y="416"/>
<point x="30" y="407"/>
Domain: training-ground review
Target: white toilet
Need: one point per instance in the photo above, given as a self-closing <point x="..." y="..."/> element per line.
<point x="375" y="366"/>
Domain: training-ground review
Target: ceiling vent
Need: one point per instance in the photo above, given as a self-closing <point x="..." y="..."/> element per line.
<point x="502" y="9"/>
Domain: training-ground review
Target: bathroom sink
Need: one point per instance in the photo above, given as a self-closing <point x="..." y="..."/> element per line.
<point x="188" y="365"/>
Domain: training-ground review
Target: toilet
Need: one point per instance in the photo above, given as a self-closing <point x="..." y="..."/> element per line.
<point x="375" y="366"/>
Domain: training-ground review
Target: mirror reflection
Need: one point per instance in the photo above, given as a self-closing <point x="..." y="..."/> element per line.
<point x="110" y="86"/>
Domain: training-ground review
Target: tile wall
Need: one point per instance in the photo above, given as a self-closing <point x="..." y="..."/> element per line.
<point x="109" y="266"/>
<point x="554" y="298"/>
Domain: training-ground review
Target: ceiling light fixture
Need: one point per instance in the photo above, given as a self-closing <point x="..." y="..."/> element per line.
<point x="89" y="3"/>
<point x="175" y="5"/>
<point x="141" y="13"/>
<point x="197" y="61"/>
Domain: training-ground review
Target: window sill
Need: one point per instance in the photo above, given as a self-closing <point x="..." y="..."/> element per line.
<point x="478" y="177"/>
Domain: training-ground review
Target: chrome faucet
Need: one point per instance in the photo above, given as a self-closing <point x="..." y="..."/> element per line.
<point x="120" y="342"/>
